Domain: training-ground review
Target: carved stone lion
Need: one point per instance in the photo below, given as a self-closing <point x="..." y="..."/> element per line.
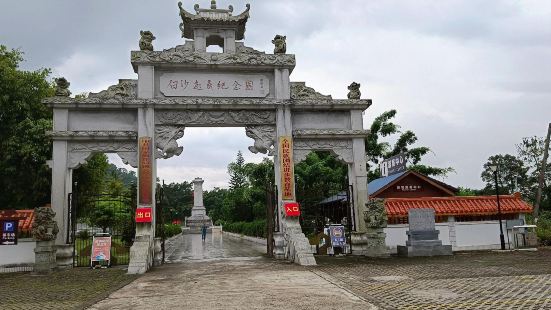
<point x="280" y="44"/>
<point x="62" y="87"/>
<point x="44" y="227"/>
<point x="376" y="216"/>
<point x="354" y="91"/>
<point x="146" y="41"/>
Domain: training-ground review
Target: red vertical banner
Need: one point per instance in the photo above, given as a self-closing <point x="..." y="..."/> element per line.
<point x="145" y="171"/>
<point x="287" y="168"/>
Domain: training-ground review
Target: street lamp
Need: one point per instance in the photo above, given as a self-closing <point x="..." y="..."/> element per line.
<point x="501" y="238"/>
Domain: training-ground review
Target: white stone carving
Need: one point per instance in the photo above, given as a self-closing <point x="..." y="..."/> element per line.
<point x="342" y="149"/>
<point x="326" y="133"/>
<point x="91" y="134"/>
<point x="299" y="90"/>
<point x="124" y="89"/>
<point x="186" y="57"/>
<point x="189" y="84"/>
<point x="264" y="139"/>
<point x="80" y="152"/>
<point x="166" y="141"/>
<point x="237" y="117"/>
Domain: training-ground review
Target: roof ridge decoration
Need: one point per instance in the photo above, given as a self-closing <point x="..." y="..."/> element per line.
<point x="299" y="90"/>
<point x="212" y="17"/>
<point x="126" y="88"/>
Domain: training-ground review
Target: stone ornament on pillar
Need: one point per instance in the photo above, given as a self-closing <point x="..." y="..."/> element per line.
<point x="264" y="139"/>
<point x="280" y="44"/>
<point x="146" y="40"/>
<point x="354" y="91"/>
<point x="44" y="231"/>
<point x="62" y="87"/>
<point x="376" y="220"/>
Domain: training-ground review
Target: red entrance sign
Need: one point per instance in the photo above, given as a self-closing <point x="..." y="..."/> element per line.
<point x="292" y="209"/>
<point x="143" y="215"/>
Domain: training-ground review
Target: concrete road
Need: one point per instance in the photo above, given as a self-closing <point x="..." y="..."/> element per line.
<point x="227" y="274"/>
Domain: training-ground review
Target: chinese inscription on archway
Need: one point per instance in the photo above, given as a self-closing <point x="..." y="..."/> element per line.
<point x="202" y="84"/>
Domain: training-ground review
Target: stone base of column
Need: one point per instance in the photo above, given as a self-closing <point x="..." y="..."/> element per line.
<point x="297" y="249"/>
<point x="64" y="256"/>
<point x="371" y="243"/>
<point x="279" y="246"/>
<point x="158" y="257"/>
<point x="44" y="257"/>
<point x="141" y="255"/>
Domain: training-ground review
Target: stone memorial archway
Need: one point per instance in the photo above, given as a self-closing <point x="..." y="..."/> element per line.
<point x="185" y="86"/>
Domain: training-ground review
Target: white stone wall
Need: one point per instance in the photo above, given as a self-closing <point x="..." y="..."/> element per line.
<point x="463" y="236"/>
<point x="22" y="253"/>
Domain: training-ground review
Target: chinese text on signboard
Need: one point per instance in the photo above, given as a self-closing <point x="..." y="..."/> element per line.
<point x="9" y="232"/>
<point x="145" y="171"/>
<point x="143" y="215"/>
<point x="338" y="236"/>
<point x="101" y="249"/>
<point x="292" y="209"/>
<point x="393" y="165"/>
<point x="286" y="162"/>
<point x="214" y="85"/>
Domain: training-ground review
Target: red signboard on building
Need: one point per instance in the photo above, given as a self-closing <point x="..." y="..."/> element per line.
<point x="145" y="171"/>
<point x="286" y="163"/>
<point x="292" y="209"/>
<point x="144" y="215"/>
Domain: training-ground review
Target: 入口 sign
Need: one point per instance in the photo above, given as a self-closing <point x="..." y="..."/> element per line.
<point x="291" y="209"/>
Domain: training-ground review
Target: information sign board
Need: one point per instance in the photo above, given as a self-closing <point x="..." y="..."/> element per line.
<point x="286" y="167"/>
<point x="338" y="235"/>
<point x="8" y="232"/>
<point x="101" y="250"/>
<point x="393" y="165"/>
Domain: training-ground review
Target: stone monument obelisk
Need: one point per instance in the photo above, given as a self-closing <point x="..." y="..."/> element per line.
<point x="198" y="216"/>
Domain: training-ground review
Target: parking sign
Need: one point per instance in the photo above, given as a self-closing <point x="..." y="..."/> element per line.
<point x="9" y="232"/>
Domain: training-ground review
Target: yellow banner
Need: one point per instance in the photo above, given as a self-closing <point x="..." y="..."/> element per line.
<point x="287" y="168"/>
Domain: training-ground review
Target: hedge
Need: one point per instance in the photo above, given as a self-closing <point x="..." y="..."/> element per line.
<point x="172" y="230"/>
<point x="253" y="229"/>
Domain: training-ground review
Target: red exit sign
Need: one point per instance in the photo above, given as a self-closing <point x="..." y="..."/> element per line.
<point x="143" y="215"/>
<point x="292" y="209"/>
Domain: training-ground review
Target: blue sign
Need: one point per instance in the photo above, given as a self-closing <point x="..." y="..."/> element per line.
<point x="8" y="234"/>
<point x="338" y="236"/>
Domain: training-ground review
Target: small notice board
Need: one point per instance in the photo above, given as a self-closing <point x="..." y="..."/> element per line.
<point x="8" y="232"/>
<point x="101" y="251"/>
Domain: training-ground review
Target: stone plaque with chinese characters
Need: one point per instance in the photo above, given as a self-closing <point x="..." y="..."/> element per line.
<point x="421" y="220"/>
<point x="202" y="84"/>
<point x="286" y="166"/>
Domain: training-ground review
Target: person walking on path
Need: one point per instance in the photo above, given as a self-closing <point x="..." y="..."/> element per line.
<point x="203" y="232"/>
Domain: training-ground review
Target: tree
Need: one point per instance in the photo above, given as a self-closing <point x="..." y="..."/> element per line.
<point x="24" y="146"/>
<point x="238" y="172"/>
<point x="177" y="200"/>
<point x="512" y="174"/>
<point x="377" y="150"/>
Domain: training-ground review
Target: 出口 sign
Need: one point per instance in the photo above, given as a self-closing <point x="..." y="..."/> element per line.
<point x="144" y="215"/>
<point x="204" y="84"/>
<point x="286" y="163"/>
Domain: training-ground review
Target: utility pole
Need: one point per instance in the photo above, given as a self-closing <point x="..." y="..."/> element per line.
<point x="542" y="174"/>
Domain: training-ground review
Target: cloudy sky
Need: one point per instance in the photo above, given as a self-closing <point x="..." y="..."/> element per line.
<point x="470" y="78"/>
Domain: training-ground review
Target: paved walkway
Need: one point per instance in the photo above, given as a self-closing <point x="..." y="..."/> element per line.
<point x="218" y="275"/>
<point x="190" y="247"/>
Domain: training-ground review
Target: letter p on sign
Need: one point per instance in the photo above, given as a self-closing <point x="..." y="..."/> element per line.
<point x="292" y="209"/>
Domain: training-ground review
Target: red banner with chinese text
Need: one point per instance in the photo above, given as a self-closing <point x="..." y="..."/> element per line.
<point x="291" y="209"/>
<point x="145" y="171"/>
<point x="286" y="168"/>
<point x="101" y="249"/>
<point x="143" y="215"/>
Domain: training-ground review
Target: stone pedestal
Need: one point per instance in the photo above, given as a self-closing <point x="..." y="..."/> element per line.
<point x="198" y="216"/>
<point x="141" y="255"/>
<point x="423" y="236"/>
<point x="376" y="245"/>
<point x="44" y="257"/>
<point x="64" y="256"/>
<point x="158" y="256"/>
<point x="359" y="243"/>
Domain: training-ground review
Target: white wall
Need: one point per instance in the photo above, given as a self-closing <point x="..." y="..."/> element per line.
<point x="482" y="235"/>
<point x="22" y="253"/>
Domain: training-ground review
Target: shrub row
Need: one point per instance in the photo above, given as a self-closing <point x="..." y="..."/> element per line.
<point x="253" y="229"/>
<point x="172" y="230"/>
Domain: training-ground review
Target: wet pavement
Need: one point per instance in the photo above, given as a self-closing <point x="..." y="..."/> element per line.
<point x="190" y="247"/>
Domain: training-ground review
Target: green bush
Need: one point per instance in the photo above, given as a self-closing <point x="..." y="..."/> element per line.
<point x="83" y="234"/>
<point x="172" y="230"/>
<point x="544" y="228"/>
<point x="253" y="229"/>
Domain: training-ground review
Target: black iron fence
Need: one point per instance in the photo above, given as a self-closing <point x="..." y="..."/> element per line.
<point x="102" y="215"/>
